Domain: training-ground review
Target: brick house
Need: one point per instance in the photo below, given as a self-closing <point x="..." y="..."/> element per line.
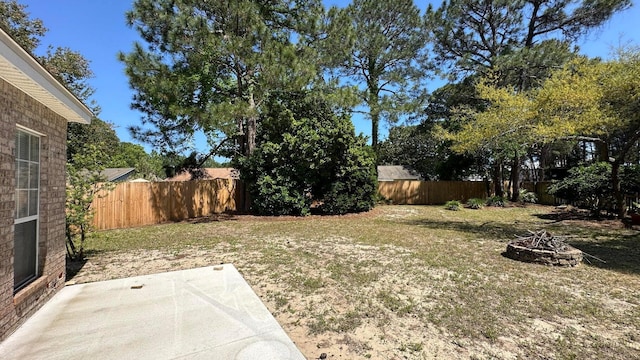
<point x="34" y="111"/>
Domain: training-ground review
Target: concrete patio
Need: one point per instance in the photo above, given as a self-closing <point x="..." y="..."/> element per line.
<point x="204" y="313"/>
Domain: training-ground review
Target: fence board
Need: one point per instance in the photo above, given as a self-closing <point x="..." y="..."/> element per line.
<point x="411" y="192"/>
<point x="137" y="204"/>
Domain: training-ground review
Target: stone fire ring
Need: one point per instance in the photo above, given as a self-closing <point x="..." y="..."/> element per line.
<point x="568" y="257"/>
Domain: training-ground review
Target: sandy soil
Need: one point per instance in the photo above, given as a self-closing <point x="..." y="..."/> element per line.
<point x="369" y="339"/>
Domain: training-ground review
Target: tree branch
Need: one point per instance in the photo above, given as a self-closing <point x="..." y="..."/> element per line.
<point x="213" y="151"/>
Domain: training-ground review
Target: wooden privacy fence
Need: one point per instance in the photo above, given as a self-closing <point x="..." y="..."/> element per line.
<point x="411" y="192"/>
<point x="540" y="188"/>
<point x="135" y="204"/>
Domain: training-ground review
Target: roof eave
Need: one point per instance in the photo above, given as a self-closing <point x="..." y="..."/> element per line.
<point x="22" y="70"/>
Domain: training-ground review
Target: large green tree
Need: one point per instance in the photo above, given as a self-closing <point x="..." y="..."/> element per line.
<point x="417" y="147"/>
<point x="15" y="20"/>
<point x="587" y="100"/>
<point x="474" y="36"/>
<point x="502" y="128"/>
<point x="598" y="102"/>
<point x="517" y="43"/>
<point x="421" y="147"/>
<point x="100" y="133"/>
<point x="384" y="58"/>
<point x="209" y="65"/>
<point x="148" y="166"/>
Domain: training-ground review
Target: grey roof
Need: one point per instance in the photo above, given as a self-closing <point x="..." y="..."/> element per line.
<point x="396" y="172"/>
<point x="117" y="174"/>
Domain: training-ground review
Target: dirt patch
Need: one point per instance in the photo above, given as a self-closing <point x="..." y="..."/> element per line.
<point x="316" y="323"/>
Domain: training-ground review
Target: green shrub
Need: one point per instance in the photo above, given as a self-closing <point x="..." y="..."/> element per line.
<point x="353" y="192"/>
<point x="277" y="198"/>
<point x="453" y="205"/>
<point x="305" y="153"/>
<point x="591" y="186"/>
<point x="355" y="181"/>
<point x="497" y="201"/>
<point x="587" y="186"/>
<point x="527" y="197"/>
<point x="475" y="203"/>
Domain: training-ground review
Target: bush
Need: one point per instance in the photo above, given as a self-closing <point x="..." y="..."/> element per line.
<point x="306" y="154"/>
<point x="453" y="205"/>
<point x="497" y="201"/>
<point x="587" y="186"/>
<point x="278" y="198"/>
<point x="527" y="197"/>
<point x="475" y="203"/>
<point x="85" y="183"/>
<point x="355" y="187"/>
<point x="630" y="176"/>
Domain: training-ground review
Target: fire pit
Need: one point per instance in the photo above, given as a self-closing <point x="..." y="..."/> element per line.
<point x="543" y="248"/>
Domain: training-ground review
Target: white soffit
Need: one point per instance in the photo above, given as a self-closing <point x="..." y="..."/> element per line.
<point x="20" y="69"/>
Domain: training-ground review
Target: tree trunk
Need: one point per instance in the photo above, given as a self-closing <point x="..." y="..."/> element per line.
<point x="242" y="136"/>
<point x="617" y="189"/>
<point x="375" y="119"/>
<point x="487" y="185"/>
<point x="602" y="149"/>
<point x="498" y="187"/>
<point x="615" y="172"/>
<point x="71" y="249"/>
<point x="374" y="113"/>
<point x="544" y="162"/>
<point x="252" y="125"/>
<point x="515" y="178"/>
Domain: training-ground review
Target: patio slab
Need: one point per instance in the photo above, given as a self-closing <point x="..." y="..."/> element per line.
<point x="203" y="313"/>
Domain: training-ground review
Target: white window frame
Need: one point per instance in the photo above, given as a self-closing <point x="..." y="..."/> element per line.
<point x="29" y="218"/>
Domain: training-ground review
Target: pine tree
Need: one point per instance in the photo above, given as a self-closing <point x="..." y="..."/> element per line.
<point x="208" y="66"/>
<point x="384" y="58"/>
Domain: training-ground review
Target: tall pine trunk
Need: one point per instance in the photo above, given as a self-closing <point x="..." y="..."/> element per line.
<point x="374" y="112"/>
<point x="252" y="125"/>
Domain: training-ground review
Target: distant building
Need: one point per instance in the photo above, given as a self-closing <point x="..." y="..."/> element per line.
<point x="207" y="174"/>
<point x="118" y="174"/>
<point x="396" y="172"/>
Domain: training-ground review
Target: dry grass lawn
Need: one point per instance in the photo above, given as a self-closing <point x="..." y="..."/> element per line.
<point x="410" y="282"/>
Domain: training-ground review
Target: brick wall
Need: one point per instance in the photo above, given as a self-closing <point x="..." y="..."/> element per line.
<point x="16" y="108"/>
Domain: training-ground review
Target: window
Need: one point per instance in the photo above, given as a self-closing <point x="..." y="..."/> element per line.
<point x="25" y="262"/>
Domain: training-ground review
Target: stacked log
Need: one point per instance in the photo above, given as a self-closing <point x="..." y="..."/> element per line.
<point x="543" y="248"/>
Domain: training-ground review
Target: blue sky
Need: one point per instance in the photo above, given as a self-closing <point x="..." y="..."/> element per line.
<point x="97" y="29"/>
